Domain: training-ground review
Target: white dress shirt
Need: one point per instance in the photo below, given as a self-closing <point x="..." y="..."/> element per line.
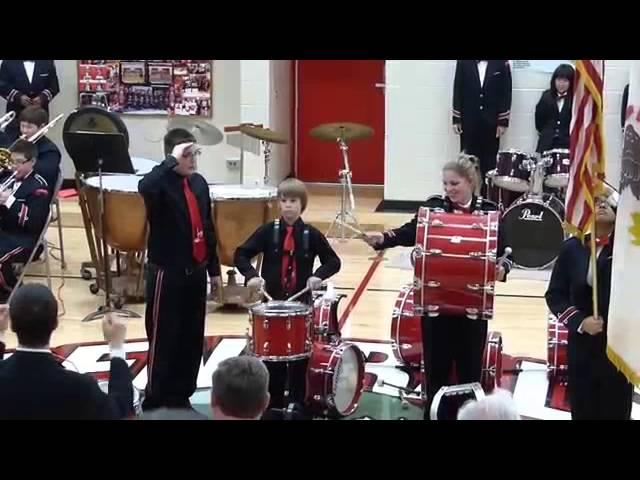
<point x="29" y="67"/>
<point x="482" y="71"/>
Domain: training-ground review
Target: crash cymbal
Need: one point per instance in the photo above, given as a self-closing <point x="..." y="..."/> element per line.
<point x="204" y="132"/>
<point x="345" y="130"/>
<point x="263" y="134"/>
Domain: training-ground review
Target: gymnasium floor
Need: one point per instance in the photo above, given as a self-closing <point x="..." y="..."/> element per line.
<point x="370" y="282"/>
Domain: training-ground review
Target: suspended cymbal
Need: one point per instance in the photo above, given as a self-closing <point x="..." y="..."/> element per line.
<point x="345" y="130"/>
<point x="263" y="134"/>
<point x="205" y="132"/>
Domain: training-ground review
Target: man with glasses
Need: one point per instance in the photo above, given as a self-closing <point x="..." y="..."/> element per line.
<point x="181" y="251"/>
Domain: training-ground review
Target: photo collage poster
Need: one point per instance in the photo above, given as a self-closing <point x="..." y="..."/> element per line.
<point x="148" y="87"/>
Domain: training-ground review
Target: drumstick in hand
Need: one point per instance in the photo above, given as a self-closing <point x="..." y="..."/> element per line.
<point x="266" y="295"/>
<point x="360" y="233"/>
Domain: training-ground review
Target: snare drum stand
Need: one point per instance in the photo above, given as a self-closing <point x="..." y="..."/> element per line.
<point x="108" y="306"/>
<point x="345" y="215"/>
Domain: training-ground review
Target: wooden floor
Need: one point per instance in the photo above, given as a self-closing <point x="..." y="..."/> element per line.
<point x="520" y="307"/>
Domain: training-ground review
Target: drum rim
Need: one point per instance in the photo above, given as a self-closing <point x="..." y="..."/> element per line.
<point x="404" y="293"/>
<point x="270" y="192"/>
<point x="556" y="150"/>
<point x="260" y="309"/>
<point x="331" y="396"/>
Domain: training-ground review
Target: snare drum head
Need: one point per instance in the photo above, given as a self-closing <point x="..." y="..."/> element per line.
<point x="115" y="182"/>
<point x="347" y="380"/>
<point x="281" y="307"/>
<point x="533" y="229"/>
<point x="241" y="192"/>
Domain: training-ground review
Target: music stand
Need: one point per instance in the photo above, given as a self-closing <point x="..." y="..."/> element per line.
<point x="102" y="153"/>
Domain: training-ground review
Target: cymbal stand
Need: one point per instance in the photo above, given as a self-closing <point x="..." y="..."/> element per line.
<point x="345" y="216"/>
<point x="267" y="159"/>
<point x="108" y="306"/>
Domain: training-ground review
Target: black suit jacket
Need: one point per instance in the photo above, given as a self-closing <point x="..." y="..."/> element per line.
<point x="35" y="386"/>
<point x="553" y="124"/>
<point x="48" y="163"/>
<point x="625" y="103"/>
<point x="14" y="83"/>
<point x="264" y="241"/>
<point x="569" y="297"/>
<point x="28" y="214"/>
<point x="488" y="105"/>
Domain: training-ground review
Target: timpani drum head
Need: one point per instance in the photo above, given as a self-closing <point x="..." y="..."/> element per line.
<point x="115" y="182"/>
<point x="241" y="192"/>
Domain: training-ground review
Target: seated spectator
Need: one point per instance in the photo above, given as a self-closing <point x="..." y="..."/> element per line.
<point x="173" y="414"/>
<point x="33" y="382"/>
<point x="499" y="405"/>
<point x="240" y="389"/>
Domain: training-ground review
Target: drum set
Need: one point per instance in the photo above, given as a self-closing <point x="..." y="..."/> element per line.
<point x="533" y="223"/>
<point x="291" y="332"/>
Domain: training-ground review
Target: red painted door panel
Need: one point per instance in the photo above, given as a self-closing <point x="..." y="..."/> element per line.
<point x="340" y="91"/>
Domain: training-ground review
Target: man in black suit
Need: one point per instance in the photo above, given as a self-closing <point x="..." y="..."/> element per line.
<point x="33" y="383"/>
<point x="481" y="108"/>
<point x="27" y="82"/>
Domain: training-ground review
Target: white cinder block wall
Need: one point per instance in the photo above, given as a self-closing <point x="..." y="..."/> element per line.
<point x="419" y="137"/>
<point x="242" y="92"/>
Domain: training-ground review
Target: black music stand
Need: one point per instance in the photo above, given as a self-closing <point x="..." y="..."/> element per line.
<point x="97" y="152"/>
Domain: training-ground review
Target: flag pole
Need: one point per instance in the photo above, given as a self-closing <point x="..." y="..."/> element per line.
<point x="594" y="268"/>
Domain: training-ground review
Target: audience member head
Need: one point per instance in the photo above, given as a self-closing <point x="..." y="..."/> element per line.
<point x="498" y="405"/>
<point x="34" y="315"/>
<point x="240" y="389"/>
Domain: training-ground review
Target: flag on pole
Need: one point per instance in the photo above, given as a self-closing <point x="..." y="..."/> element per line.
<point x="587" y="146"/>
<point x="623" y="330"/>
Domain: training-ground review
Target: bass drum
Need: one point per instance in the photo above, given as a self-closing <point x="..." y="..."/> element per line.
<point x="533" y="229"/>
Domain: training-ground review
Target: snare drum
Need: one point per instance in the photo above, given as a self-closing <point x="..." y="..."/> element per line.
<point x="557" y="163"/>
<point x="137" y="403"/>
<point x="557" y="354"/>
<point x="125" y="215"/>
<point x="335" y="379"/>
<point x="281" y="331"/>
<point x="513" y="170"/>
<point x="455" y="257"/>
<point x="533" y="229"/>
<point x="238" y="210"/>
<point x="326" y="327"/>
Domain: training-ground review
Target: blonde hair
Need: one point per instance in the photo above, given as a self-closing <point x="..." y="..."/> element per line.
<point x="467" y="166"/>
<point x="293" y="188"/>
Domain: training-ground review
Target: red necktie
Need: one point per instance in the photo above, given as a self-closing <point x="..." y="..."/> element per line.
<point x="462" y="209"/>
<point x="602" y="241"/>
<point x="197" y="234"/>
<point x="288" y="262"/>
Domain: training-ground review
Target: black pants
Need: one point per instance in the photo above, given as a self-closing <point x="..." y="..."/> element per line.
<point x="174" y="320"/>
<point x="449" y="340"/>
<point x="482" y="142"/>
<point x="11" y="251"/>
<point x="287" y="382"/>
<point x="598" y="391"/>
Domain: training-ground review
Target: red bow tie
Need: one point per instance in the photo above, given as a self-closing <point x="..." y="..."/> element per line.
<point x="602" y="241"/>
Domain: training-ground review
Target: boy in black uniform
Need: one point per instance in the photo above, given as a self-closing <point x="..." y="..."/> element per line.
<point x="289" y="248"/>
<point x="24" y="207"/>
<point x="31" y="120"/>
<point x="597" y="390"/>
<point x="24" y="83"/>
<point x="481" y="108"/>
<point x="181" y="250"/>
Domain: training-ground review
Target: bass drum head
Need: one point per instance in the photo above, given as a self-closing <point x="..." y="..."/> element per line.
<point x="347" y="380"/>
<point x="533" y="229"/>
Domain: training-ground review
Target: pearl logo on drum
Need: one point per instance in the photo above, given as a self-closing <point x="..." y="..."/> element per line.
<point x="530" y="217"/>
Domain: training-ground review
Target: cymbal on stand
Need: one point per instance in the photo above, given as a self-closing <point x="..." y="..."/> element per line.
<point x="263" y="134"/>
<point x="345" y="130"/>
<point x="204" y="132"/>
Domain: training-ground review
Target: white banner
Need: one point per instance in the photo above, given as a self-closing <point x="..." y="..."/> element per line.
<point x="624" y="310"/>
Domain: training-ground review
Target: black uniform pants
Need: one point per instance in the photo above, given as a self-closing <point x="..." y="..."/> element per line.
<point x="11" y="251"/>
<point x="481" y="141"/>
<point x="174" y="321"/>
<point x="449" y="340"/>
<point x="598" y="391"/>
<point x="287" y="382"/>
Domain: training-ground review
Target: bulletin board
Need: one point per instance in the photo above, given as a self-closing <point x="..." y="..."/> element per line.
<point x="148" y="87"/>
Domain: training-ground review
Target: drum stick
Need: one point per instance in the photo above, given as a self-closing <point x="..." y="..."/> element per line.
<point x="266" y="295"/>
<point x="300" y="293"/>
